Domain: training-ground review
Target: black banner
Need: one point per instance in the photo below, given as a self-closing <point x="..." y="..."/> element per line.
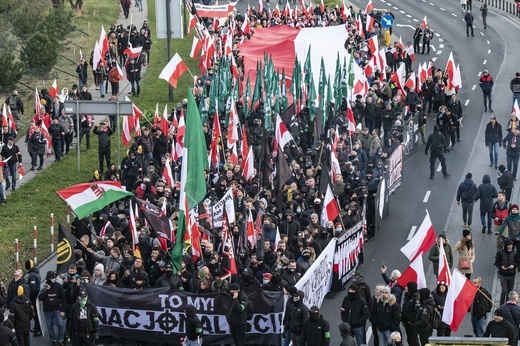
<point x="158" y="314"/>
<point x="154" y="215"/>
<point x="65" y="251"/>
<point x="348" y="254"/>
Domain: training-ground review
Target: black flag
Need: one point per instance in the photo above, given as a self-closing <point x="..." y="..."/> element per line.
<point x="65" y="254"/>
<point x="283" y="171"/>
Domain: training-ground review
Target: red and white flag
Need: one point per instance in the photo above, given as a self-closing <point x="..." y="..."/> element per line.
<point x="516" y="109"/>
<point x="53" y="91"/>
<point x="351" y="121"/>
<point x="359" y="28"/>
<point x="282" y="136"/>
<point x="21" y="171"/>
<point x="410" y="52"/>
<point x="174" y="70"/>
<point x="322" y="7"/>
<point x="249" y="166"/>
<point x="193" y="22"/>
<point x="458" y="300"/>
<point x="373" y="45"/>
<point x="414" y="273"/>
<point x="398" y="78"/>
<point x="260" y="7"/>
<point x="45" y="131"/>
<point x="179" y="139"/>
<point x="246" y="25"/>
<point x="424" y="22"/>
<point x="120" y="71"/>
<point x="216" y="137"/>
<point x="133" y="226"/>
<point x="370" y="19"/>
<point x="250" y="230"/>
<point x="449" y="71"/>
<point x="410" y="82"/>
<point x="196" y="47"/>
<point x="232" y="132"/>
<point x="131" y="52"/>
<point x="167" y="174"/>
<point x="277" y="10"/>
<point x="457" y="79"/>
<point x="444" y="267"/>
<point x="5" y="119"/>
<point x="330" y="209"/>
<point x="422" y="241"/>
<point x="164" y="121"/>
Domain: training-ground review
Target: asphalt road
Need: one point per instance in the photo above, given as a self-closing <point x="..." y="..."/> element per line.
<point x="490" y="49"/>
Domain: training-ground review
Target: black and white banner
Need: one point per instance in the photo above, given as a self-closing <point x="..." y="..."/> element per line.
<point x="347" y="255"/>
<point x="395" y="169"/>
<point x="158" y="314"/>
<point x="218" y="209"/>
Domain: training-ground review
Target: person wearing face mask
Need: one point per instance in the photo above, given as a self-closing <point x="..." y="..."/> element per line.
<point x="249" y="283"/>
<point x="354" y="310"/>
<point x="291" y="275"/>
<point x="295" y="316"/>
<point x="83" y="322"/>
<point x="169" y="279"/>
<point x="409" y="313"/>
<point x="53" y="297"/>
<point x="277" y="283"/>
<point x="193" y="327"/>
<point x="304" y="261"/>
<point x="316" y="330"/>
<point x="506" y="260"/>
<point x="237" y="314"/>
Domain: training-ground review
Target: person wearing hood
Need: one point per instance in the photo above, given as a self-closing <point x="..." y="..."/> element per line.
<point x="436" y="143"/>
<point x="512" y="150"/>
<point x="289" y="226"/>
<point x="193" y="327"/>
<point x="316" y="330"/>
<point x="249" y="282"/>
<point x="434" y="253"/>
<point x="505" y="181"/>
<point x="512" y="221"/>
<point x="354" y="310"/>
<point x="53" y="297"/>
<point x="237" y="314"/>
<point x="84" y="321"/>
<point x="467" y="194"/>
<point x="34" y="282"/>
<point x="295" y="316"/>
<point x="439" y="297"/>
<point x="99" y="277"/>
<point x="169" y="279"/>
<point x="486" y="192"/>
<point x="500" y="328"/>
<point x="409" y="313"/>
<point x="466" y="250"/>
<point x="506" y="260"/>
<point x="423" y="323"/>
<point x="387" y="316"/>
<point x="21" y="312"/>
<point x="364" y="290"/>
<point x="346" y="335"/>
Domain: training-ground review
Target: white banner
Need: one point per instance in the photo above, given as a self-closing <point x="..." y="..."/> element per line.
<point x="228" y="203"/>
<point x="317" y="280"/>
<point x="395" y="169"/>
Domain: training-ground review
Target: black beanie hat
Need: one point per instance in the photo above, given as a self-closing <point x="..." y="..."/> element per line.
<point x="412" y="287"/>
<point x="424" y="293"/>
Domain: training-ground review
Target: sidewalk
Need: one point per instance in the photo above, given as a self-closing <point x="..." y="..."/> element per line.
<point x="124" y="88"/>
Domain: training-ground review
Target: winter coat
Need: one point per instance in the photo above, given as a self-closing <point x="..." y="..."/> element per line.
<point x="296" y="315"/>
<point x="13" y="154"/>
<point x="440" y="300"/>
<point x="55" y="131"/>
<point x="434" y="253"/>
<point x="103" y="137"/>
<point x="465" y="254"/>
<point x="34" y="281"/>
<point x="7" y="336"/>
<point x="22" y="312"/>
<point x="502" y="329"/>
<point x="467" y="191"/>
<point x="481" y="305"/>
<point x="408" y="312"/>
<point x="486" y="83"/>
<point x="53" y="298"/>
<point x="423" y="323"/>
<point x="354" y="310"/>
<point x="493" y="133"/>
<point x="512" y="144"/>
<point x="486" y="192"/>
<point x="237" y="314"/>
<point x="315" y="332"/>
<point x="396" y="289"/>
<point x="505" y="181"/>
<point x="73" y="323"/>
<point x="387" y="314"/>
<point x="512" y="315"/>
<point x="38" y="143"/>
<point x="504" y="258"/>
<point x="347" y="338"/>
<point x="512" y="222"/>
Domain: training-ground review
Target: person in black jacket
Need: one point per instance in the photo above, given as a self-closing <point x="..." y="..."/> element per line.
<point x="295" y="316"/>
<point x="316" y="330"/>
<point x="83" y="322"/>
<point x="104" y="134"/>
<point x="18" y="280"/>
<point x="423" y="323"/>
<point x="354" y="310"/>
<point x="133" y="72"/>
<point x="7" y="335"/>
<point x="56" y="131"/>
<point x="512" y="148"/>
<point x="21" y="312"/>
<point x="396" y="289"/>
<point x="408" y="313"/>
<point x="506" y="260"/>
<point x="436" y="143"/>
<point x="11" y="152"/>
<point x="439" y="296"/>
<point x="486" y="192"/>
<point x="387" y="315"/>
<point x="479" y="308"/>
<point x="34" y="281"/>
<point x="237" y="315"/>
<point x="493" y="140"/>
<point x="512" y="312"/>
<point x="467" y="194"/>
<point x="193" y="326"/>
<point x="500" y="328"/>
<point x="505" y="181"/>
<point x="53" y="297"/>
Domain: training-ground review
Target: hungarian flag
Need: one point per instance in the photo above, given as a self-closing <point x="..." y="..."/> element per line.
<point x="196" y="47"/>
<point x="414" y="273"/>
<point x="444" y="267"/>
<point x="174" y="70"/>
<point x="65" y="250"/>
<point x="422" y="241"/>
<point x="193" y="184"/>
<point x="53" y="91"/>
<point x="87" y="198"/>
<point x="458" y="300"/>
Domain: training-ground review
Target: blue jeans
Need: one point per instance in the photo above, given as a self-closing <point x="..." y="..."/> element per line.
<point x="191" y="343"/>
<point x="360" y="335"/>
<point x="512" y="164"/>
<point x="52" y="318"/>
<point x="493" y="151"/>
<point x="102" y="88"/>
<point x="136" y="83"/>
<point x="82" y="82"/>
<point x="483" y="219"/>
<point x="12" y="174"/>
<point x="384" y="337"/>
<point x="2" y="191"/>
<point x="478" y="326"/>
<point x="139" y="3"/>
<point x="516" y="97"/>
<point x="56" y="146"/>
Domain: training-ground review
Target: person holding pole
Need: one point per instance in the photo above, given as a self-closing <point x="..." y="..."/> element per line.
<point x="480" y="307"/>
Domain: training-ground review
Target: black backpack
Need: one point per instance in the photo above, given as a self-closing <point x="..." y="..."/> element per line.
<point x="436" y="318"/>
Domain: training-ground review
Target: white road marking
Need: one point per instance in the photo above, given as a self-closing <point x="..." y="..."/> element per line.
<point x="479" y="74"/>
<point x="434" y="58"/>
<point x="401" y="11"/>
<point x="412" y="232"/>
<point x="433" y="48"/>
<point x="439" y="52"/>
<point x="442" y="9"/>
<point x="466" y="103"/>
<point x="395" y="8"/>
<point x="482" y="33"/>
<point x="489" y="51"/>
<point x="415" y="20"/>
<point x="441" y="40"/>
<point x="441" y="46"/>
<point x="409" y="15"/>
<point x="485" y="62"/>
<point x="431" y="3"/>
<point x="474" y="87"/>
<point x="439" y="167"/>
<point x="454" y="15"/>
<point x="488" y="42"/>
<point x="427" y="196"/>
<point x="437" y="34"/>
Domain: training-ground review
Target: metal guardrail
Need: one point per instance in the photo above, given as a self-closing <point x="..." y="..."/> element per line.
<point x="509" y="6"/>
<point x="459" y="341"/>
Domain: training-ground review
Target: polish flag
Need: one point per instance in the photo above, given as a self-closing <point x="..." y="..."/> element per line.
<point x="5" y="119"/>
<point x="444" y="268"/>
<point x="360" y="81"/>
<point x="251" y="231"/>
<point x="373" y="45"/>
<point x="370" y="67"/>
<point x="216" y="136"/>
<point x="133" y="226"/>
<point x="131" y="52"/>
<point x="322" y="7"/>
<point x="449" y="71"/>
<point x="424" y="22"/>
<point x="53" y="91"/>
<point x="351" y="121"/>
<point x="174" y="70"/>
<point x="516" y="109"/>
<point x="345" y="12"/>
<point x="458" y="300"/>
<point x="414" y="273"/>
<point x="45" y="131"/>
<point x="193" y="22"/>
<point x="246" y="25"/>
<point x="411" y="53"/>
<point x="369" y="24"/>
<point x="457" y="79"/>
<point x="196" y="47"/>
<point x="248" y="166"/>
<point x="277" y="11"/>
<point x="103" y="43"/>
<point x="234" y="155"/>
<point x="381" y="62"/>
<point x="260" y="7"/>
<point x="128" y="125"/>
<point x="167" y="174"/>
<point x="277" y="239"/>
<point x="287" y="10"/>
<point x="21" y="171"/>
<point x="282" y="136"/>
<point x="232" y="132"/>
<point x="120" y="71"/>
<point x="398" y="78"/>
<point x="359" y="27"/>
<point x="179" y="139"/>
<point x="156" y="117"/>
<point x="37" y="102"/>
<point x="334" y="163"/>
<point x="234" y="68"/>
<point x="244" y="151"/>
<point x="410" y="82"/>
<point x="422" y="241"/>
<point x="330" y="207"/>
<point x="164" y="121"/>
<point x="369" y="8"/>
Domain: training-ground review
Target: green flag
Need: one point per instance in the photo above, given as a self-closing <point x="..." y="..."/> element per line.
<point x="322" y="85"/>
<point x="246" y="96"/>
